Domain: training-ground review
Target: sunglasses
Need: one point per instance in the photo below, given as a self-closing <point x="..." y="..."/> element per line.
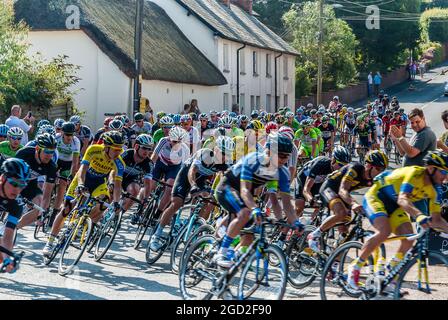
<point x="15" y="138"/>
<point x="443" y="172"/>
<point x="15" y="183"/>
<point x="146" y="148"/>
<point x="49" y="151"/>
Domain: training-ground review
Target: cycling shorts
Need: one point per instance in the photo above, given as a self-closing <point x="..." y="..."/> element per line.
<point x="130" y="180"/>
<point x="329" y="197"/>
<point x="307" y="150"/>
<point x="182" y="186"/>
<point x="229" y="199"/>
<point x="300" y="186"/>
<point x="169" y="172"/>
<point x="64" y="168"/>
<point x="96" y="187"/>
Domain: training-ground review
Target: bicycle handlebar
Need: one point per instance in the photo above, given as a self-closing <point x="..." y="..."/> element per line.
<point x="33" y="205"/>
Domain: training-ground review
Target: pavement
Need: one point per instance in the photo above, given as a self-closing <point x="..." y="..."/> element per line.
<point x="124" y="275"/>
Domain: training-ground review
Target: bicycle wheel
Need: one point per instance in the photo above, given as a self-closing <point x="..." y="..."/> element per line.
<point x="153" y="256"/>
<point x="107" y="236"/>
<point x="410" y="288"/>
<point x="75" y="246"/>
<point x="333" y="282"/>
<point x="262" y="281"/>
<point x="41" y="230"/>
<point x="145" y="224"/>
<point x="302" y="267"/>
<point x="179" y="245"/>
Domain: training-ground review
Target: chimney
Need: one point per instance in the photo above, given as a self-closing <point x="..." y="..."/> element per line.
<point x="225" y="2"/>
<point x="246" y="5"/>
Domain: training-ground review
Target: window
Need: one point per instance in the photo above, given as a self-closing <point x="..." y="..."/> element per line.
<point x="226" y="101"/>
<point x="268" y="103"/>
<point x="242" y="62"/>
<point x="226" y="58"/>
<point x="242" y="102"/>
<point x="285" y="69"/>
<point x="233" y="99"/>
<point x="268" y="66"/>
<point x="285" y="101"/>
<point x="258" y="102"/>
<point x="277" y="101"/>
<point x="252" y="103"/>
<point x="255" y="63"/>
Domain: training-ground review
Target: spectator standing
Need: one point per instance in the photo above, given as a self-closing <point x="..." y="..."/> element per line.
<point x="413" y="70"/>
<point x="194" y="107"/>
<point x="377" y="83"/>
<point x="15" y="121"/>
<point x="423" y="140"/>
<point x="421" y="68"/>
<point x="442" y="142"/>
<point x="369" y="84"/>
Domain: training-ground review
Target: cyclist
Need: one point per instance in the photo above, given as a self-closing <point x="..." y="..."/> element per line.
<point x="192" y="178"/>
<point x="58" y="125"/>
<point x="3" y="132"/>
<point x="350" y="123"/>
<point x="378" y="127"/>
<point x="335" y="192"/>
<point x="328" y="133"/>
<point x="166" y="123"/>
<point x="140" y="125"/>
<point x="398" y="121"/>
<point x="213" y="119"/>
<point x="105" y="128"/>
<point x="168" y="157"/>
<point x="306" y="140"/>
<point x="313" y="175"/>
<point x="83" y="133"/>
<point x="333" y="105"/>
<point x="156" y="125"/>
<point x="138" y="165"/>
<point x="128" y="132"/>
<point x="40" y="160"/>
<point x="254" y="115"/>
<point x="8" y="149"/>
<point x="69" y="149"/>
<point x="96" y="165"/>
<point x="186" y="121"/>
<point x="300" y="115"/>
<point x="405" y="119"/>
<point x="364" y="134"/>
<point x="205" y="126"/>
<point x="395" y="196"/>
<point x="235" y="192"/>
<point x="291" y="122"/>
<point x="386" y="126"/>
<point x="14" y="177"/>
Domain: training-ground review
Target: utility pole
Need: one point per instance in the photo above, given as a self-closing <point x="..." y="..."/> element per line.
<point x="138" y="54"/>
<point x="320" y="54"/>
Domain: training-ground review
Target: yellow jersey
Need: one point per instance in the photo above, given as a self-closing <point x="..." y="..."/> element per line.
<point x="100" y="166"/>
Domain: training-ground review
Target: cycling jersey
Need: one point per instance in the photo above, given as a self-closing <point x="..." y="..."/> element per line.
<point x="129" y="135"/>
<point x="33" y="143"/>
<point x="67" y="151"/>
<point x="6" y="151"/>
<point x="195" y="138"/>
<point x="253" y="168"/>
<point x="135" y="170"/>
<point x="317" y="169"/>
<point x="169" y="155"/>
<point x="100" y="165"/>
<point x="386" y="124"/>
<point x="97" y="137"/>
<point x="381" y="199"/>
<point x="398" y="123"/>
<point x="145" y="128"/>
<point x="363" y="134"/>
<point x="327" y="132"/>
<point x="154" y="128"/>
<point x="84" y="133"/>
<point x="205" y="169"/>
<point x="158" y="135"/>
<point x="350" y="121"/>
<point x="306" y="140"/>
<point x="236" y="132"/>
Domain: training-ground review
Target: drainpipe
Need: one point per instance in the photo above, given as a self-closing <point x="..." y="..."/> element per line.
<point x="276" y="80"/>
<point x="238" y="74"/>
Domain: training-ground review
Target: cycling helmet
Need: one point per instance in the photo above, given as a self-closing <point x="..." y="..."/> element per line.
<point x="255" y="125"/>
<point x="401" y="110"/>
<point x="193" y="116"/>
<point x="322" y="109"/>
<point x="226" y="122"/>
<point x="396" y="113"/>
<point x="269" y="117"/>
<point x="305" y="123"/>
<point x="185" y="118"/>
<point x="254" y="114"/>
<point x="388" y="111"/>
<point x="300" y="110"/>
<point x="75" y="119"/>
<point x="166" y="121"/>
<point x="46" y="140"/>
<point x="43" y="123"/>
<point x="160" y="115"/>
<point x="68" y="128"/>
<point x="171" y="115"/>
<point x="119" y="118"/>
<point x="286" y="132"/>
<point x="144" y="140"/>
<point x="47" y="128"/>
<point x="325" y="119"/>
<point x="177" y="134"/>
<point x="203" y="116"/>
<point x="17" y="169"/>
<point x="335" y="98"/>
<point x="225" y="144"/>
<point x="113" y="139"/>
<point x="344" y="110"/>
<point x="15" y="132"/>
<point x="58" y="123"/>
<point x="233" y="115"/>
<point x="107" y="121"/>
<point x="436" y="158"/>
<point x="176" y="119"/>
<point x="309" y="106"/>
<point x="271" y="126"/>
<point x="243" y="117"/>
<point x="373" y="114"/>
<point x="377" y="158"/>
<point x="221" y="131"/>
<point x="350" y="110"/>
<point x="125" y="119"/>
<point x="139" y="116"/>
<point x="341" y="155"/>
<point x="116" y="125"/>
<point x="289" y="114"/>
<point x="386" y="95"/>
<point x="213" y="113"/>
<point x="279" y="119"/>
<point x="279" y="143"/>
<point x="3" y="130"/>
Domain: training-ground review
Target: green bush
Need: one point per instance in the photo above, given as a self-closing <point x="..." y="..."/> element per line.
<point x="434" y="25"/>
<point x="303" y="82"/>
<point x="432" y="51"/>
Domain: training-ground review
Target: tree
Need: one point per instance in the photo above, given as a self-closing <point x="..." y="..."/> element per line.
<point x="29" y="80"/>
<point x="339" y="46"/>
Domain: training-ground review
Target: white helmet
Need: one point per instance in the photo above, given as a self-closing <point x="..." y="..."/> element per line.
<point x="15" y="132"/>
<point x="350" y="110"/>
<point x="177" y="134"/>
<point x="225" y="144"/>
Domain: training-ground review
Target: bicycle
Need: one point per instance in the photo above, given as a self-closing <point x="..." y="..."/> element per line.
<point x="388" y="147"/>
<point x="362" y="151"/>
<point x="409" y="281"/>
<point x="398" y="157"/>
<point x="257" y="270"/>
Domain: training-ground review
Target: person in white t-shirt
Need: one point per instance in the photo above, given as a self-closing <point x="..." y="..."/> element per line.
<point x="15" y="121"/>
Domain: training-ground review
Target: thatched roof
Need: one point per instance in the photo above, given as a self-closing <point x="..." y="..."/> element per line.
<point x="167" y="54"/>
<point x="236" y="24"/>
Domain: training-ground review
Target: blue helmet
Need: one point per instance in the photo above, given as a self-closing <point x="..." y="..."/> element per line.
<point x="17" y="169"/>
<point x="4" y="130"/>
<point x="176" y="119"/>
<point x="43" y="122"/>
<point x="58" y="123"/>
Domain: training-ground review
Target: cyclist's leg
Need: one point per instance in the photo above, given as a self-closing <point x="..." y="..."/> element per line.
<point x="102" y="192"/>
<point x="339" y="211"/>
<point x="400" y="225"/>
<point x="133" y="188"/>
<point x="33" y="193"/>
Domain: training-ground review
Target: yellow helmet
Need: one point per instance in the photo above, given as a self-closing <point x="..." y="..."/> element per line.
<point x="256" y="125"/>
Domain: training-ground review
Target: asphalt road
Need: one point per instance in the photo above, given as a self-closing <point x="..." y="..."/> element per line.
<point x="124" y="274"/>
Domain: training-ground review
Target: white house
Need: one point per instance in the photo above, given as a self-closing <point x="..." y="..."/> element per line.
<point x="174" y="71"/>
<point x="226" y="31"/>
